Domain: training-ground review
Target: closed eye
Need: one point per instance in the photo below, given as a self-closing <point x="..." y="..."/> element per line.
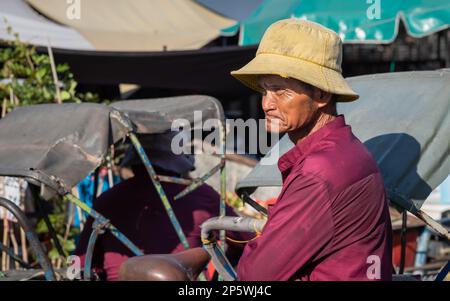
<point x="280" y="92"/>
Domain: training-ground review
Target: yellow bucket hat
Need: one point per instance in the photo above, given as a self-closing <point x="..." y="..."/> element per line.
<point x="303" y="50"/>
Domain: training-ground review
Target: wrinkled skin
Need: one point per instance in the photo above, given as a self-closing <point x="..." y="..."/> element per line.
<point x="292" y="107"/>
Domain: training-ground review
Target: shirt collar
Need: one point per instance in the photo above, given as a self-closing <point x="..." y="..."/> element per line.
<point x="305" y="146"/>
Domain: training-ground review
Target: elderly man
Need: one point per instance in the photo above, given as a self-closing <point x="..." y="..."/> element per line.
<point x="331" y="220"/>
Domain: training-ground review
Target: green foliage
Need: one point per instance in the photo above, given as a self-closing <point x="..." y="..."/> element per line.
<point x="58" y="219"/>
<point x="26" y="77"/>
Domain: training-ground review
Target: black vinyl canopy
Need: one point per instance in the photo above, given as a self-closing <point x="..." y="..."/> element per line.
<point x="206" y="70"/>
<point x="156" y="115"/>
<point x="60" y="144"/>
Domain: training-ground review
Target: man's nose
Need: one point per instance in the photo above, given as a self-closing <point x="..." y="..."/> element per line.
<point x="268" y="103"/>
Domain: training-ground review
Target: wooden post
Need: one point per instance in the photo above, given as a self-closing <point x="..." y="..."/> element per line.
<point x="12" y="236"/>
<point x="54" y="74"/>
<point x="5" y="257"/>
<point x="4" y="105"/>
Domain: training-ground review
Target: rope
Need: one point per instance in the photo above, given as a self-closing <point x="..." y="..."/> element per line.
<point x="207" y="242"/>
<point x="258" y="234"/>
<point x="242" y="241"/>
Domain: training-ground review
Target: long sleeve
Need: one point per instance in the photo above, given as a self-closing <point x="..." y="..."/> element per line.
<point x="299" y="230"/>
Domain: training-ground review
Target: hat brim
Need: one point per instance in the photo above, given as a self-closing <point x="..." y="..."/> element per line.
<point x="326" y="79"/>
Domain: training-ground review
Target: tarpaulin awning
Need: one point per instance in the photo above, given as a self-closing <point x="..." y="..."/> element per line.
<point x="37" y="30"/>
<point x="355" y="21"/>
<point x="137" y="25"/>
<point x="60" y="144"/>
<point x="157" y="115"/>
<point x="234" y="9"/>
<point x="403" y="119"/>
<point x="205" y="71"/>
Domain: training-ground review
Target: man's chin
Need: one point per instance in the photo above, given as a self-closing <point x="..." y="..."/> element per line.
<point x="278" y="130"/>
<point x="274" y="125"/>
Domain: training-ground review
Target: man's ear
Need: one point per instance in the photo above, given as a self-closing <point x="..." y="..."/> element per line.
<point x="322" y="98"/>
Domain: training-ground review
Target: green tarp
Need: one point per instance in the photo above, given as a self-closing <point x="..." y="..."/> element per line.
<point x="356" y="21"/>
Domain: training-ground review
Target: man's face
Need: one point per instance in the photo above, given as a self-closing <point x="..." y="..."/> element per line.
<point x="287" y="103"/>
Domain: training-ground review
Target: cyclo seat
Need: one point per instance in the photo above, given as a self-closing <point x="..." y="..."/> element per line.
<point x="182" y="266"/>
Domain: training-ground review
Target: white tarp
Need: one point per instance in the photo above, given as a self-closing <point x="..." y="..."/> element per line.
<point x="137" y="25"/>
<point x="37" y="30"/>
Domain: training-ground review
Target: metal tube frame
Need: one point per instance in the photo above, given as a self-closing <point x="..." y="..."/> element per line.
<point x="97" y="230"/>
<point x="162" y="195"/>
<point x="443" y="272"/>
<point x="231" y="223"/>
<point x="422" y="247"/>
<point x="160" y="190"/>
<point x="192" y="184"/>
<point x="101" y="223"/>
<point x="47" y="221"/>
<point x="16" y="258"/>
<point x="32" y="237"/>
<point x="100" y="220"/>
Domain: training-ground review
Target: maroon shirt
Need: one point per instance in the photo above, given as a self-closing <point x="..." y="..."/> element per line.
<point x="331" y="220"/>
<point x="134" y="207"/>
